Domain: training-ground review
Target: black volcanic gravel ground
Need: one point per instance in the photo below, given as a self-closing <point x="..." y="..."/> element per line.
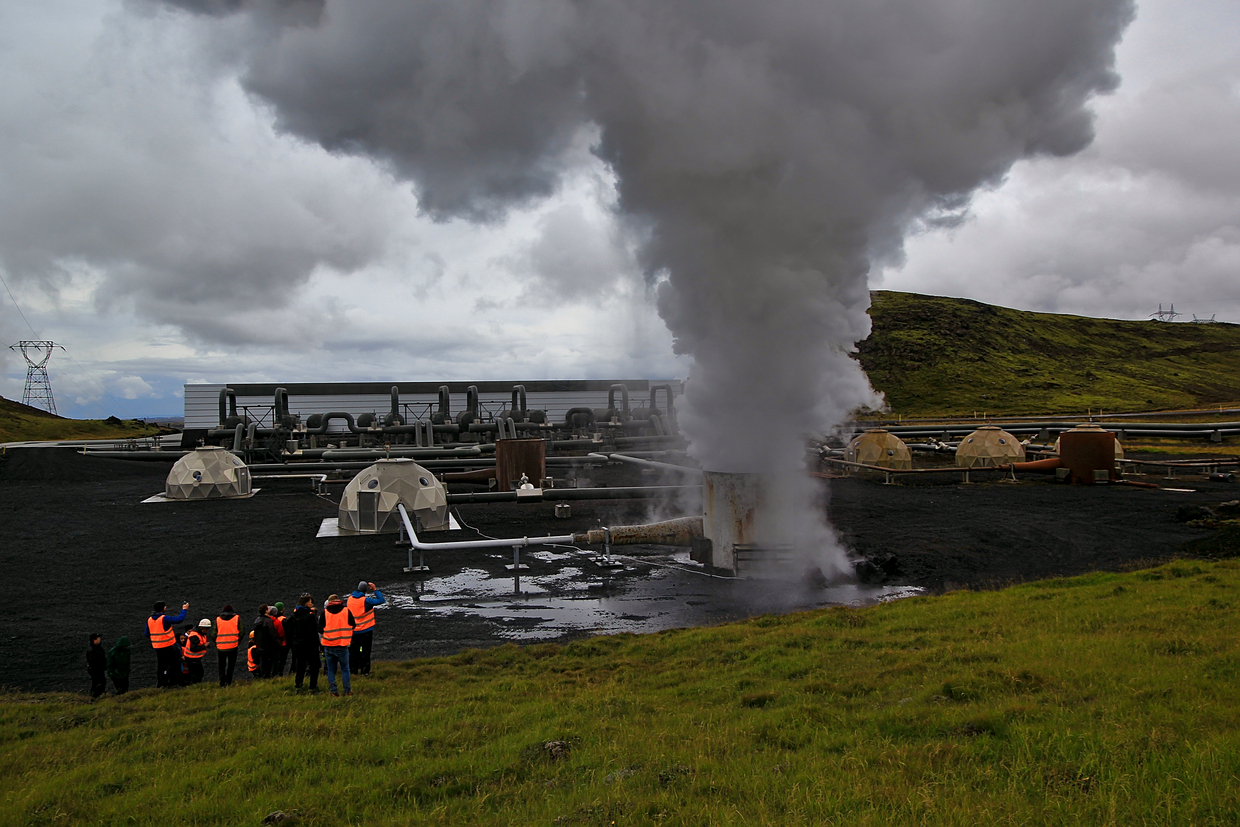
<point x="81" y="553"/>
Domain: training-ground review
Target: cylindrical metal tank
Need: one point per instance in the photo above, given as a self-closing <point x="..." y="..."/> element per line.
<point x="1085" y="450"/>
<point x="514" y="457"/>
<point x="732" y="502"/>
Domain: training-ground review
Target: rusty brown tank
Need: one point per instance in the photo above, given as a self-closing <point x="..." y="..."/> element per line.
<point x="514" y="457"/>
<point x="1087" y="449"/>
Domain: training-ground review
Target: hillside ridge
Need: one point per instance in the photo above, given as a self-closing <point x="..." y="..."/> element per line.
<point x="941" y="355"/>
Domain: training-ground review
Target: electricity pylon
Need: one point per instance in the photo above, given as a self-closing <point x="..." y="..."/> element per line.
<point x="38" y="392"/>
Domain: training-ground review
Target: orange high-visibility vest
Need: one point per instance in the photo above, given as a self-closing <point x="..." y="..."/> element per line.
<point x="365" y="617"/>
<point x="249" y="658"/>
<point x="227" y="632"/>
<point x="188" y="652"/>
<point x="336" y="629"/>
<point x="161" y="638"/>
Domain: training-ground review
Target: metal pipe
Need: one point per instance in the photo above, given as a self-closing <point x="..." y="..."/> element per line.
<point x="238" y="436"/>
<point x="569" y="494"/>
<point x="228" y="405"/>
<point x="624" y="396"/>
<point x="574" y="412"/>
<point x="414" y="542"/>
<point x="667" y="466"/>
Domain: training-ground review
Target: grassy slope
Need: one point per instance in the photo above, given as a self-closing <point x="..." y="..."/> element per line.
<point x="20" y="422"/>
<point x="934" y="355"/>
<point x="1105" y="699"/>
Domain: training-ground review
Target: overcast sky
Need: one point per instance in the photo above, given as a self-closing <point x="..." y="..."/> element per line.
<point x="155" y="222"/>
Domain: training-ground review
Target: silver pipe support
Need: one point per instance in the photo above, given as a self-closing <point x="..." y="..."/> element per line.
<point x="514" y="542"/>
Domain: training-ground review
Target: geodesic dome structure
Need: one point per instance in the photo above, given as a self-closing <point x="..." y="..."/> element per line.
<point x="368" y="505"/>
<point x="989" y="445"/>
<point x="881" y="448"/>
<point x="1095" y="428"/>
<point x="208" y="473"/>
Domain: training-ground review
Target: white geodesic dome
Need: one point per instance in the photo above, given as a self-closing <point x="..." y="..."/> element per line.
<point x="368" y="505"/>
<point x="989" y="445"/>
<point x="881" y="448"/>
<point x="208" y="473"/>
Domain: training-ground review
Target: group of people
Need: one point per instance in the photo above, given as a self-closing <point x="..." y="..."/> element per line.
<point x="337" y="638"/>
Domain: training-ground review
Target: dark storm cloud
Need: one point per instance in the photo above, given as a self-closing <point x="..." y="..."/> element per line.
<point x="137" y="164"/>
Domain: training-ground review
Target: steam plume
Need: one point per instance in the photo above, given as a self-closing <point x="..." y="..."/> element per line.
<point x="766" y="153"/>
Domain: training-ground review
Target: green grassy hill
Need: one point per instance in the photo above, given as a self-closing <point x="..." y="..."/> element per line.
<point x="19" y="423"/>
<point x="1105" y="699"/>
<point x="935" y="355"/>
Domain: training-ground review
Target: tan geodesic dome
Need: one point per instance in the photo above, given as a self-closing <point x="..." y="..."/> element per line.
<point x="1094" y="427"/>
<point x="989" y="445"/>
<point x="207" y="473"/>
<point x="879" y="447"/>
<point x="370" y="499"/>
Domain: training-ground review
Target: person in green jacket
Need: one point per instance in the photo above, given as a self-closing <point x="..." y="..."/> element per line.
<point x="118" y="665"/>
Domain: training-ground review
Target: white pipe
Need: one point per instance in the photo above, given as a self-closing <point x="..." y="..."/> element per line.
<point x="648" y="463"/>
<point x="462" y="544"/>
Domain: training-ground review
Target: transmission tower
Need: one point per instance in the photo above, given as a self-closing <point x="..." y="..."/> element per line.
<point x="38" y="392"/>
<point x="1165" y="315"/>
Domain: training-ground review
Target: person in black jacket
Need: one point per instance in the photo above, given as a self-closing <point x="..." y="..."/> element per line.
<point x="266" y="641"/>
<point x="97" y="665"/>
<point x="302" y="630"/>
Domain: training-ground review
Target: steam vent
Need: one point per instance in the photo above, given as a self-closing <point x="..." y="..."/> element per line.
<point x="208" y="473"/>
<point x="881" y="448"/>
<point x="989" y="445"/>
<point x="368" y="505"/>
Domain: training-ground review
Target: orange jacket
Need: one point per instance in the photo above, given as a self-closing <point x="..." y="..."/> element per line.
<point x="161" y="638"/>
<point x="336" y="628"/>
<point x="227" y="632"/>
<point x="365" y="617"/>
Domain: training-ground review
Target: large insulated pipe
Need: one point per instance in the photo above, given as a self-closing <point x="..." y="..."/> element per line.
<point x="518" y="398"/>
<point x="1040" y="466"/>
<point x="679" y="532"/>
<point x="444" y="413"/>
<point x="394" y="418"/>
<point x="238" y="436"/>
<point x="624" y="397"/>
<point x="571" y="415"/>
<point x="321" y="428"/>
<point x="281" y="405"/>
<point x="228" y="405"/>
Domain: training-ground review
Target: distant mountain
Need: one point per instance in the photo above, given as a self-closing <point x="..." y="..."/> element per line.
<point x="19" y="423"/>
<point x="936" y="355"/>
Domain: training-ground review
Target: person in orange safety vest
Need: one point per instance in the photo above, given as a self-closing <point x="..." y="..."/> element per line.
<point x="163" y="637"/>
<point x="335" y="633"/>
<point x="362" y="606"/>
<point x="251" y="657"/>
<point x="227" y="642"/>
<point x="195" y="648"/>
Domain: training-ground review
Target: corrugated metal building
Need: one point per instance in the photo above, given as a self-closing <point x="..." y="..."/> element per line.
<point x="417" y="399"/>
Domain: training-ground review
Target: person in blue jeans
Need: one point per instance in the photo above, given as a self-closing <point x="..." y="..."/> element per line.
<point x="335" y="633"/>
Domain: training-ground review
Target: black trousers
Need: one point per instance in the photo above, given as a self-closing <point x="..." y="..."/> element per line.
<point x="277" y="668"/>
<point x="98" y="684"/>
<point x="228" y="662"/>
<point x="359" y="653"/>
<point x="193" y="672"/>
<point x="303" y="663"/>
<point x="168" y="666"/>
<point x="121" y="683"/>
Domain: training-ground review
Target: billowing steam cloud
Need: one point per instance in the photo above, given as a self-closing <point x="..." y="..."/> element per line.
<point x="765" y="153"/>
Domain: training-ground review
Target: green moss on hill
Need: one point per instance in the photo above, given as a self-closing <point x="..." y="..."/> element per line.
<point x="937" y="355"/>
<point x="22" y="423"/>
